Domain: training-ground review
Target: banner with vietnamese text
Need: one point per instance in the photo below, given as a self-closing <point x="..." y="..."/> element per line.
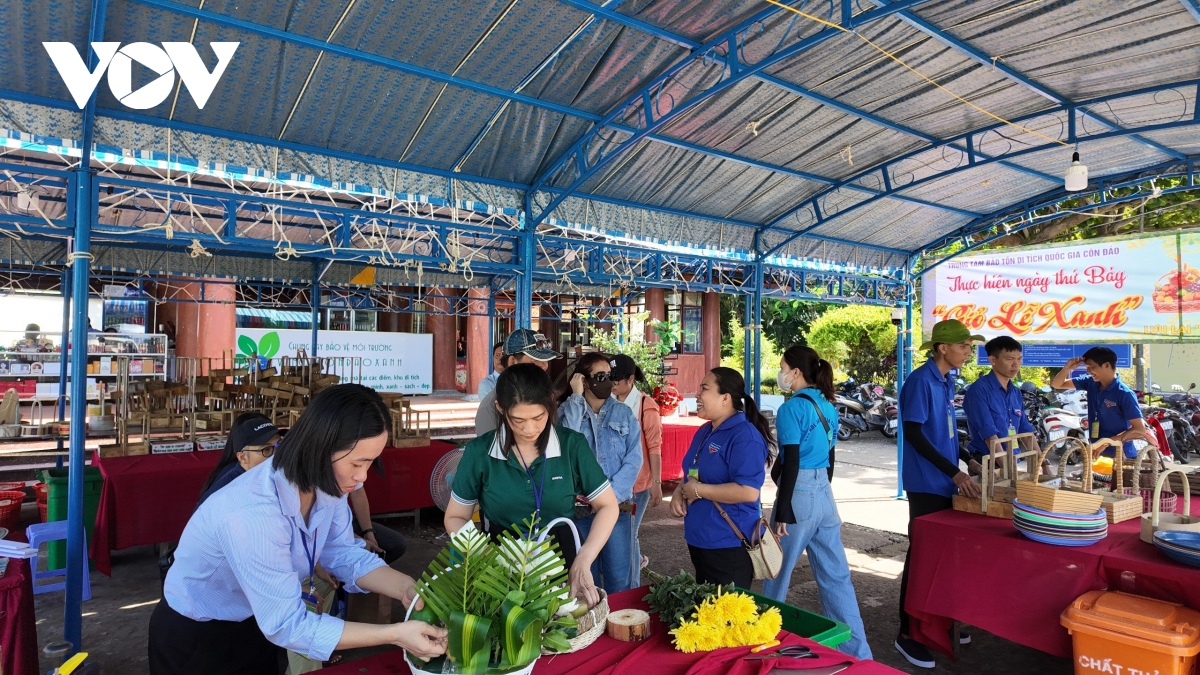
<point x="1143" y="289"/>
<point x="397" y="362"/>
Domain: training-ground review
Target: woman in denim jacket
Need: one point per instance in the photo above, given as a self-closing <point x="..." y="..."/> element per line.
<point x="587" y="406"/>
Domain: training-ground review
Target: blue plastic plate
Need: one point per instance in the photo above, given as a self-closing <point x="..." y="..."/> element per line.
<point x="1180" y="539"/>
<point x="1099" y="515"/>
<point x="1056" y="541"/>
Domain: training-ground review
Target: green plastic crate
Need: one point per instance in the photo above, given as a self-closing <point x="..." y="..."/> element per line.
<point x="56" y="508"/>
<point x="819" y="629"/>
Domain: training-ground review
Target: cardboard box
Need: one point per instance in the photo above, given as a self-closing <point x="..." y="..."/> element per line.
<point x="135" y="367"/>
<point x="36" y="368"/>
<point x="106" y="365"/>
<point x="19" y="368"/>
<point x="52" y="368"/>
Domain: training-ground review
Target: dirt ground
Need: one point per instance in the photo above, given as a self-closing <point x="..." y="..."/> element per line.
<point x="115" y="619"/>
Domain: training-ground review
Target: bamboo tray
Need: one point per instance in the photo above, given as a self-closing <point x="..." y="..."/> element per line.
<point x="1052" y="498"/>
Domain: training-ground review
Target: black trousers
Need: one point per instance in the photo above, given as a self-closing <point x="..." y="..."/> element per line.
<point x="722" y="566"/>
<point x="392" y="542"/>
<point x="183" y="646"/>
<point x="919" y="504"/>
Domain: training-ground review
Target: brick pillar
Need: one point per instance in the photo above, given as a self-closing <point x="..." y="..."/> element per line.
<point x="387" y="322"/>
<point x="710" y="331"/>
<point x="205" y="329"/>
<point x="479" y="326"/>
<point x="656" y="305"/>
<point x="443" y="328"/>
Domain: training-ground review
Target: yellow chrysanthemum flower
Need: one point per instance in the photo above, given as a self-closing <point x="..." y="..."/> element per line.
<point x="737" y="607"/>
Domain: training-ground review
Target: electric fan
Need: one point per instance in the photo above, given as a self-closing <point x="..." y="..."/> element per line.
<point x="443" y="477"/>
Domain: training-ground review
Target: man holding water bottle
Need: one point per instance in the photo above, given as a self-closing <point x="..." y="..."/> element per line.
<point x="994" y="405"/>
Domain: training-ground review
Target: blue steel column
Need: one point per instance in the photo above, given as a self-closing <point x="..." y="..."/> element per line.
<point x="86" y="207"/>
<point x="64" y="364"/>
<point x="315" y="302"/>
<point x="758" y="284"/>
<point x="748" y="342"/>
<point x="528" y="259"/>
<point x="903" y="368"/>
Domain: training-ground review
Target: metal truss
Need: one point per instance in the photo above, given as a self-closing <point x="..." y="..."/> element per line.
<point x="925" y="165"/>
<point x="1040" y="89"/>
<point x="1142" y="185"/>
<point x="716" y="66"/>
<point x="695" y="47"/>
<point x="784" y="283"/>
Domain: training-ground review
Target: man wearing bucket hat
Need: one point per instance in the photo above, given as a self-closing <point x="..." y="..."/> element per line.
<point x="521" y="346"/>
<point x="931" y="452"/>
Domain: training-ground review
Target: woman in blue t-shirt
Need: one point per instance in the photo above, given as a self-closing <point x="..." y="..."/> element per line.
<point x="726" y="465"/>
<point x="805" y="515"/>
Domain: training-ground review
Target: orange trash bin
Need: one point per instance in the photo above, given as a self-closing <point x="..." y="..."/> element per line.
<point x="1121" y="634"/>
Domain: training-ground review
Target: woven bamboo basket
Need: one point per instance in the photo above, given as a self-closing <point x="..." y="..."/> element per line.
<point x="1051" y="498"/>
<point x="591" y="626"/>
<point x="1118" y="505"/>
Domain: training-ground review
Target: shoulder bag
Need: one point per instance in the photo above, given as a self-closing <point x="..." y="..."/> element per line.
<point x="765" y="552"/>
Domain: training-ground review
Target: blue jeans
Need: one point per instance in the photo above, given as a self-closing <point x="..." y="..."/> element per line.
<point x="613" y="570"/>
<point x="819" y="530"/>
<point x="642" y="499"/>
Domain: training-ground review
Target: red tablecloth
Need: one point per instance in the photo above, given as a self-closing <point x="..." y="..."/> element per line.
<point x="981" y="571"/>
<point x="18" y="625"/>
<point x="611" y="657"/>
<point x="404" y="483"/>
<point x="148" y="499"/>
<point x="676" y="438"/>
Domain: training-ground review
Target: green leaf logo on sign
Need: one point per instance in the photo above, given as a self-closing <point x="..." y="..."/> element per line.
<point x="267" y="347"/>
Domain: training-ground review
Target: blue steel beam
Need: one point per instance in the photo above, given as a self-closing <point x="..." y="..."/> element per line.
<point x="737" y="71"/>
<point x="813" y="202"/>
<point x="1040" y="89"/>
<point x="1193" y="8"/>
<point x="138" y="118"/>
<point x="1027" y="214"/>
<point x="693" y="46"/>
<point x="471" y="85"/>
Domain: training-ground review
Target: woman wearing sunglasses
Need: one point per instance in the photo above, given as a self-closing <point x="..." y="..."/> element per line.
<point x="251" y="442"/>
<point x="613" y="434"/>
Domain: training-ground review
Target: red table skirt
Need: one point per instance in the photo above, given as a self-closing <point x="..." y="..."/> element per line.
<point x="676" y="439"/>
<point x="981" y="571"/>
<point x="18" y="625"/>
<point x="404" y="484"/>
<point x="656" y="655"/>
<point x="148" y="499"/>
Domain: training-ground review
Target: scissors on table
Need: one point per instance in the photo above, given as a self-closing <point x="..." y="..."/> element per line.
<point x="789" y="652"/>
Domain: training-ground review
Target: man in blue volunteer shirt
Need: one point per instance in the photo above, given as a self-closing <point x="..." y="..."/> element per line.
<point x="931" y="452"/>
<point x="994" y="405"/>
<point x="1112" y="407"/>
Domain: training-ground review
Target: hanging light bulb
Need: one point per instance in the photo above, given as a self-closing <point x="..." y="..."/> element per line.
<point x="1076" y="178"/>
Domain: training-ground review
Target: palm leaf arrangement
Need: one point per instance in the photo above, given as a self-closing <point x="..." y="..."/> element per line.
<point x="502" y="602"/>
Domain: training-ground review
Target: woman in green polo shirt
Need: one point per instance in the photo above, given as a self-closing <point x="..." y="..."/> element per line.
<point x="529" y="465"/>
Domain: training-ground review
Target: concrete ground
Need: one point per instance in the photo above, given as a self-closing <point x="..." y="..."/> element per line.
<point x="115" y="619"/>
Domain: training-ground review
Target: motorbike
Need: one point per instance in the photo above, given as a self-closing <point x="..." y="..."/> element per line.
<point x="1059" y="422"/>
<point x="866" y="409"/>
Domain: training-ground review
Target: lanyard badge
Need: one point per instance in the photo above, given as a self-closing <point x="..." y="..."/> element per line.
<point x="308" y="587"/>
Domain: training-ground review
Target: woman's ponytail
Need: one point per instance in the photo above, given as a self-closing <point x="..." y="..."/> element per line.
<point x="757" y="419"/>
<point x="817" y="371"/>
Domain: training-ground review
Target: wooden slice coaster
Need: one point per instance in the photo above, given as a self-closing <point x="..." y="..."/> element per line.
<point x="629" y="625"/>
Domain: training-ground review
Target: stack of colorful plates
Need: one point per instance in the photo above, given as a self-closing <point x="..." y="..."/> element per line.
<point x="1179" y="545"/>
<point x="1060" y="529"/>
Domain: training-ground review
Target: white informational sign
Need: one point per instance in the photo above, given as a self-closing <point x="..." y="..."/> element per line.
<point x="399" y="362"/>
<point x="1141" y="289"/>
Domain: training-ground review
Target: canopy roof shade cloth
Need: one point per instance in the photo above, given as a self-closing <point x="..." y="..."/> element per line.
<point x="608" y="656"/>
<point x="859" y="132"/>
<point x="980" y="571"/>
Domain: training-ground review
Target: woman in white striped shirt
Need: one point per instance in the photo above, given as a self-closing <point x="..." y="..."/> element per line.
<point x="242" y="583"/>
